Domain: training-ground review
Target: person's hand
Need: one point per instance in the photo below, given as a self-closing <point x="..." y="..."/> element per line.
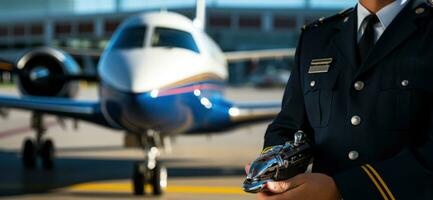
<point x="304" y="186"/>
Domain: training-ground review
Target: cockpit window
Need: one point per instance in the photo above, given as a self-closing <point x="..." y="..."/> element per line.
<point x="132" y="37"/>
<point x="171" y="38"/>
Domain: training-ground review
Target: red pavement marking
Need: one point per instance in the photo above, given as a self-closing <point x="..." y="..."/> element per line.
<point x="22" y="130"/>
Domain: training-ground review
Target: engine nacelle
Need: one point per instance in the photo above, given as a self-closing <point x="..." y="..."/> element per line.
<point x="44" y="71"/>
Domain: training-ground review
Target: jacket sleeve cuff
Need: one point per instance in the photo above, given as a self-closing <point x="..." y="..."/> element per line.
<point x="357" y="184"/>
<point x="401" y="177"/>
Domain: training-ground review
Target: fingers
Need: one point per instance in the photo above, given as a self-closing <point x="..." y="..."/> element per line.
<point x="292" y="194"/>
<point x="279" y="187"/>
<point x="283" y="186"/>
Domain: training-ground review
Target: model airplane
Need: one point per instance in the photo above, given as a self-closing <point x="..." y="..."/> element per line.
<point x="281" y="162"/>
<point x="160" y="75"/>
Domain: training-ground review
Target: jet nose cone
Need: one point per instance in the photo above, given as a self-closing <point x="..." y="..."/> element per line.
<point x="121" y="69"/>
<point x="127" y="109"/>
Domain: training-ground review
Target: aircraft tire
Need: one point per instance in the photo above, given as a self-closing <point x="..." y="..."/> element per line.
<point x="138" y="179"/>
<point x="29" y="154"/>
<point x="159" y="179"/>
<point x="47" y="154"/>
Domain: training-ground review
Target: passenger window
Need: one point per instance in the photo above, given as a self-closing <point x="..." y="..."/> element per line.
<point x="171" y="38"/>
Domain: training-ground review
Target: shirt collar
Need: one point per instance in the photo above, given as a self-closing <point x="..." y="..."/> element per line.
<point x="385" y="15"/>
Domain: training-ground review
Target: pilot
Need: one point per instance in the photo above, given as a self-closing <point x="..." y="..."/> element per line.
<point x="362" y="90"/>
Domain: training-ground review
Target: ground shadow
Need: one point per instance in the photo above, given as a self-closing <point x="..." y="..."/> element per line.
<point x="15" y="180"/>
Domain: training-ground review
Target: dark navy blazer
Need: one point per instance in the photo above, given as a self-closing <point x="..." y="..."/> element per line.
<point x="372" y="124"/>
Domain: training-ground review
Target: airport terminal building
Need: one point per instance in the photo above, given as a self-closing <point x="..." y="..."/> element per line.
<point x="88" y="24"/>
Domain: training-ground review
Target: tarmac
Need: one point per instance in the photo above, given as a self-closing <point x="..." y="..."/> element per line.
<point x="91" y="162"/>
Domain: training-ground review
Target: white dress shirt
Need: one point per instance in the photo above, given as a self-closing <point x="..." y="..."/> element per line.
<point x="386" y="15"/>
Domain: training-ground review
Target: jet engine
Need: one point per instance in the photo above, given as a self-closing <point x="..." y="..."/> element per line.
<point x="45" y="72"/>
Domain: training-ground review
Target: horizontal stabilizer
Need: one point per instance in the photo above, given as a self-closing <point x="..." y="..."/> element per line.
<point x="82" y="110"/>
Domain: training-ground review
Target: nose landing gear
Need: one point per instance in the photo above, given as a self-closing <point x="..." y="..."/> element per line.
<point x="150" y="171"/>
<point x="156" y="177"/>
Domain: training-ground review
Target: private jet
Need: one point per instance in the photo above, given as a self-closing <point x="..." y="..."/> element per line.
<point x="160" y="75"/>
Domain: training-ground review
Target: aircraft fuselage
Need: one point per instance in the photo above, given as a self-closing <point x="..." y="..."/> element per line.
<point x="171" y="80"/>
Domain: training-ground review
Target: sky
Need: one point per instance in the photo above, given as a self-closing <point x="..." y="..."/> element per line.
<point x="95" y="6"/>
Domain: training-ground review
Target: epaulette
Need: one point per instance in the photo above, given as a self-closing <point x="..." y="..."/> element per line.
<point x="323" y="20"/>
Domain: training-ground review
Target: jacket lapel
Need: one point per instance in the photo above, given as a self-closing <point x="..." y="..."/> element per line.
<point x="345" y="39"/>
<point x="402" y="27"/>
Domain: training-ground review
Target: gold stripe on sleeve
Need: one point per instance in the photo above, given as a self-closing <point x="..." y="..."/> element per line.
<point x="388" y="191"/>
<point x="375" y="182"/>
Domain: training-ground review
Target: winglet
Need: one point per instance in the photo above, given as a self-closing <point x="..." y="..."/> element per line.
<point x="200" y="18"/>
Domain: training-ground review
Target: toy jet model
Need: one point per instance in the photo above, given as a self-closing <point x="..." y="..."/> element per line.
<point x="281" y="162"/>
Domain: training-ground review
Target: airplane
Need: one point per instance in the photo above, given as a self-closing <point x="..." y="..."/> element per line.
<point x="160" y="75"/>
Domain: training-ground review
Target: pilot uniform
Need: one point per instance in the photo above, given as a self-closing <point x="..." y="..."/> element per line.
<point x="370" y="116"/>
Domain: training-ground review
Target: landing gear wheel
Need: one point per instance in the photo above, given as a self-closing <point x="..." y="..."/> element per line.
<point x="159" y="179"/>
<point x="29" y="154"/>
<point x="47" y="154"/>
<point x="138" y="179"/>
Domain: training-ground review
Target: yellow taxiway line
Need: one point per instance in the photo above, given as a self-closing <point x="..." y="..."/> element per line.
<point x="127" y="187"/>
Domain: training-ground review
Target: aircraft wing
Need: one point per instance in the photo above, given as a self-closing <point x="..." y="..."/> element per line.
<point x="234" y="56"/>
<point x="238" y="56"/>
<point x="82" y="110"/>
<point x="253" y="112"/>
<point x="229" y="115"/>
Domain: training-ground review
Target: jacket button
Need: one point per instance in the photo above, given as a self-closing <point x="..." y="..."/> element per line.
<point x="355" y="120"/>
<point x="312" y="83"/>
<point x="359" y="85"/>
<point x="404" y="83"/>
<point x="353" y="155"/>
<point x="419" y="11"/>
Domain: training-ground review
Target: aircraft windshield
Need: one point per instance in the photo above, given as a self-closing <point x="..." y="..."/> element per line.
<point x="132" y="37"/>
<point x="165" y="37"/>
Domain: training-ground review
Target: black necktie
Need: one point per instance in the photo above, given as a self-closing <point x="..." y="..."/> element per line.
<point x="367" y="41"/>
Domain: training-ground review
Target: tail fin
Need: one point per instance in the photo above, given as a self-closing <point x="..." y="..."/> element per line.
<point x="200" y="18"/>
